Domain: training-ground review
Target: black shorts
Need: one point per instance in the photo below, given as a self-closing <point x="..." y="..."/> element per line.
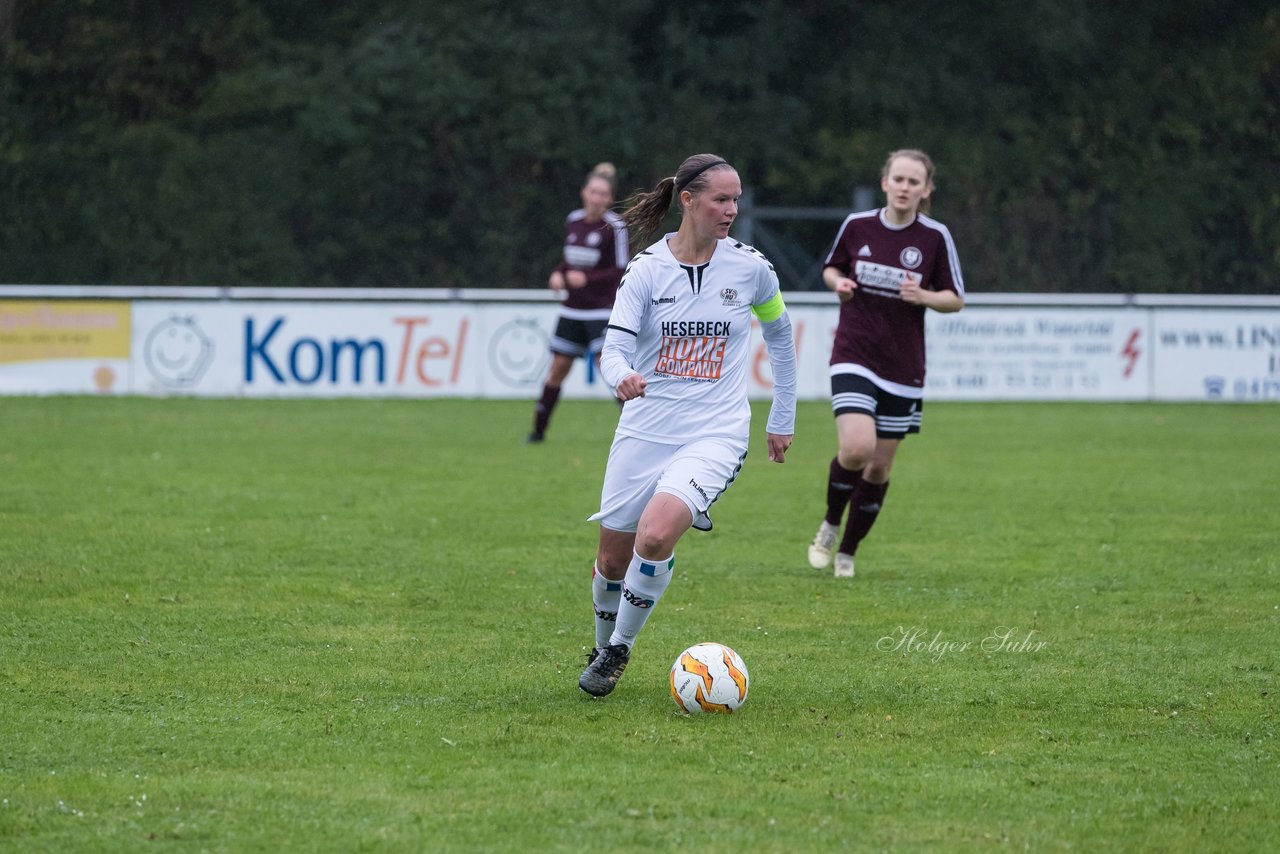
<point x="575" y="337"/>
<point x="895" y="416"/>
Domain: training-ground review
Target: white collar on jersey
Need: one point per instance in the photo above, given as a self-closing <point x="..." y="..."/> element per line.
<point x="893" y="226"/>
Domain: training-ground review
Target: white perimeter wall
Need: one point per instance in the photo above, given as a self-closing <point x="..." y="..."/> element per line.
<point x="245" y="342"/>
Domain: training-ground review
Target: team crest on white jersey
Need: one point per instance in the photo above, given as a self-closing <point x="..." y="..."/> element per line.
<point x="865" y="251"/>
<point x="911" y="257"/>
<point x="730" y="296"/>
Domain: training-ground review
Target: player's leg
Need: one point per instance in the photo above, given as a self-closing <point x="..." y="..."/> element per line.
<point x="694" y="479"/>
<point x="896" y="418"/>
<point x="560" y="365"/>
<point x="612" y="558"/>
<point x="648" y="574"/>
<point x="866" y="502"/>
<point x="568" y="343"/>
<point x="856" y="432"/>
<point x="630" y="478"/>
<point x="853" y="402"/>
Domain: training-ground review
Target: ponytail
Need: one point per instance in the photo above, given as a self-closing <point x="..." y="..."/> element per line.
<point x="646" y="211"/>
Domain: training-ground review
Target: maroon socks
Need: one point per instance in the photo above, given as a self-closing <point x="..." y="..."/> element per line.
<point x="865" y="508"/>
<point x="840" y="486"/>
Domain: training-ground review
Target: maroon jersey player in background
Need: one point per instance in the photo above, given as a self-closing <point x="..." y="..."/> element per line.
<point x="887" y="266"/>
<point x="595" y="254"/>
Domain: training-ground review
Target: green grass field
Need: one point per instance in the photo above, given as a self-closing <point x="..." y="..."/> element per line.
<point x="358" y="625"/>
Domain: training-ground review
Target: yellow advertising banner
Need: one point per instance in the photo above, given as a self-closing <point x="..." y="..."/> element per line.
<point x="54" y="331"/>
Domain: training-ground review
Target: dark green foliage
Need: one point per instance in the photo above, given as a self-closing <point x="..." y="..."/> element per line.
<point x="1081" y="146"/>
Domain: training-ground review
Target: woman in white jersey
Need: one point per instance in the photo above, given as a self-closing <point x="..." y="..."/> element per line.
<point x="886" y="266"/>
<point x="676" y="351"/>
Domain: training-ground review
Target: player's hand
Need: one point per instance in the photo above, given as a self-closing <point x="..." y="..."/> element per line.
<point x="778" y="445"/>
<point x="844" y="288"/>
<point x="631" y="387"/>
<point x="575" y="278"/>
<point x="911" y="292"/>
<point x="556" y="282"/>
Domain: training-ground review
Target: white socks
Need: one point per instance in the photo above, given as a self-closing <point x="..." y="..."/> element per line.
<point x="642" y="587"/>
<point x="604" y="596"/>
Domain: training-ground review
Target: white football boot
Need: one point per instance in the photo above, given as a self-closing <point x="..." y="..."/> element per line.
<point x="823" y="543"/>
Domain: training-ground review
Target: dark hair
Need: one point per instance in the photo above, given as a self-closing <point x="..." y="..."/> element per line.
<point x="605" y="171"/>
<point x="913" y="154"/>
<point x="646" y="211"/>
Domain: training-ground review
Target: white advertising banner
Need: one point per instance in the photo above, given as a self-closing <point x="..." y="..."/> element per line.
<point x="1007" y="353"/>
<point x="1038" y="354"/>
<point x="1216" y="355"/>
<point x="491" y="348"/>
<point x="289" y="349"/>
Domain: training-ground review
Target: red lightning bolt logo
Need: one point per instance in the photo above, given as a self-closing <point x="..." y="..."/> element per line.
<point x="1131" y="352"/>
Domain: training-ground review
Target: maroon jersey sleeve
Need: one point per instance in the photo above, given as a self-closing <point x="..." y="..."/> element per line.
<point x="840" y="256"/>
<point x="945" y="273"/>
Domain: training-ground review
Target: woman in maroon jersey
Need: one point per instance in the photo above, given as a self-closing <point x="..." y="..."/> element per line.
<point x="595" y="254"/>
<point x="886" y="266"/>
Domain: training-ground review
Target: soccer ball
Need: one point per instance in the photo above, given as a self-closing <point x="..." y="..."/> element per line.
<point x="709" y="677"/>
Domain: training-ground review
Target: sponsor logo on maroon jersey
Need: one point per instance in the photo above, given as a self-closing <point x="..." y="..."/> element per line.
<point x="879" y="278"/>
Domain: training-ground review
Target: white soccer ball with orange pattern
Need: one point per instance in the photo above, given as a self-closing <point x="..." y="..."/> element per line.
<point x="709" y="677"/>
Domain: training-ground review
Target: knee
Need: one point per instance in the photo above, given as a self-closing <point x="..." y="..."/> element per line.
<point x="856" y="450"/>
<point x="854" y="458"/>
<point x="850" y="462"/>
<point x="654" y="546"/>
<point x="654" y="542"/>
<point x="876" y="472"/>
<point x="612" y="562"/>
<point x="612" y="566"/>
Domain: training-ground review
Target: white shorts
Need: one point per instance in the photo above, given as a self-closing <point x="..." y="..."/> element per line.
<point x="697" y="473"/>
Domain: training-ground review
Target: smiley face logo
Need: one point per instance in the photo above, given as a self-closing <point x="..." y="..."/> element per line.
<point x="519" y="351"/>
<point x="177" y="352"/>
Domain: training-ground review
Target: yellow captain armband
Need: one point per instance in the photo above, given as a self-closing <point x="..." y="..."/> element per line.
<point x="771" y="310"/>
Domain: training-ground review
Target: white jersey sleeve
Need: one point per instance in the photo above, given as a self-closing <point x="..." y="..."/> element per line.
<point x="779" y="340"/>
<point x="630" y="308"/>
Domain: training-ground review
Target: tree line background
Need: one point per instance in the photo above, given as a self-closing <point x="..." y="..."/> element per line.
<point x="1081" y="146"/>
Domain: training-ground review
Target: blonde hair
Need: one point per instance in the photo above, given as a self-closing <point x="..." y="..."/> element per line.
<point x="646" y="211"/>
<point x="605" y="171"/>
<point x="917" y="155"/>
